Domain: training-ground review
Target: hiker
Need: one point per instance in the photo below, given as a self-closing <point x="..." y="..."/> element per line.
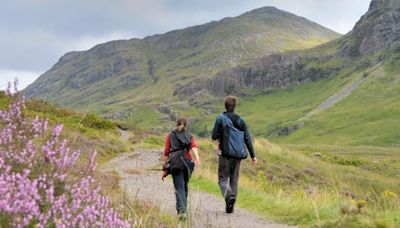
<point x="232" y="133"/>
<point x="179" y="163"/>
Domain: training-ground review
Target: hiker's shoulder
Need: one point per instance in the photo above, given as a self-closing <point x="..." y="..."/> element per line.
<point x="240" y="119"/>
<point x="221" y="116"/>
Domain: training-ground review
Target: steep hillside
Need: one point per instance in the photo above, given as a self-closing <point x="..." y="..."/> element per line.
<point x="149" y="70"/>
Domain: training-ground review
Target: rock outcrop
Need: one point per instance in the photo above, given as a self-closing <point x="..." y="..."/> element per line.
<point x="377" y="30"/>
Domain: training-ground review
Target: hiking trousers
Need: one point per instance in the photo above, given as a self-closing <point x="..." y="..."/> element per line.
<point x="181" y="179"/>
<point x="228" y="176"/>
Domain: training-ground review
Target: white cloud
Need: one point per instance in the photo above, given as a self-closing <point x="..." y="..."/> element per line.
<point x="24" y="78"/>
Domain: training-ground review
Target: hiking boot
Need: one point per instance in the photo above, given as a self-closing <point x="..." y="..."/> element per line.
<point x="230" y="203"/>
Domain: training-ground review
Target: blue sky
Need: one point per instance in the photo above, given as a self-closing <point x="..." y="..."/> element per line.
<point x="34" y="34"/>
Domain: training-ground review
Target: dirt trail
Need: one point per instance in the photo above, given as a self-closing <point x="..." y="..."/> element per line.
<point x="142" y="182"/>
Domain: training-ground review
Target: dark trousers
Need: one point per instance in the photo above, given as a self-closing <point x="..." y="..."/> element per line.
<point x="181" y="179"/>
<point x="228" y="176"/>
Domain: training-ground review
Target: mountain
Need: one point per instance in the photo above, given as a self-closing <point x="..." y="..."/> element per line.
<point x="342" y="92"/>
<point x="128" y="77"/>
<point x="377" y="30"/>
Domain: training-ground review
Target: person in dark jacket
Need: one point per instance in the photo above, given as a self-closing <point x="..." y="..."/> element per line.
<point x="173" y="144"/>
<point x="228" y="166"/>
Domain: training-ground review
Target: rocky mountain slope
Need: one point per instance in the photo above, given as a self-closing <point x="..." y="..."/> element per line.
<point x="378" y="30"/>
<point x="150" y="69"/>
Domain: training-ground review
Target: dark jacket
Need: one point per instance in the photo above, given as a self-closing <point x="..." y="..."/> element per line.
<point x="238" y="123"/>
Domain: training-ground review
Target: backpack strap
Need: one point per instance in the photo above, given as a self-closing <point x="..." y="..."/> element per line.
<point x="185" y="146"/>
<point x="235" y="119"/>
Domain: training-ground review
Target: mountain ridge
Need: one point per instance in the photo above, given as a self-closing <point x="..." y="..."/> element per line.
<point x="197" y="52"/>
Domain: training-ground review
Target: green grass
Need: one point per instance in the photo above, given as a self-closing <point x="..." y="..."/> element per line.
<point x="152" y="141"/>
<point x="282" y="207"/>
<point x="382" y="160"/>
<point x="143" y="116"/>
<point x="369" y="116"/>
<point x="290" y="185"/>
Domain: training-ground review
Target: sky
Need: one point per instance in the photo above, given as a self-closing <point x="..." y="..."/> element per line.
<point x="34" y="34"/>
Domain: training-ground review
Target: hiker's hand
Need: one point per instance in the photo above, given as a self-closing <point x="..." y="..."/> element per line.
<point x="197" y="162"/>
<point x="164" y="174"/>
<point x="254" y="161"/>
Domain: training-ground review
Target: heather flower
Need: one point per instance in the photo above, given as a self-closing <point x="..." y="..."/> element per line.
<point x="36" y="184"/>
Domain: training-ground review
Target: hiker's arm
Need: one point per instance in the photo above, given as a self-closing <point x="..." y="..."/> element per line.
<point x="247" y="140"/>
<point x="196" y="155"/>
<point x="166" y="150"/>
<point x="164" y="171"/>
<point x="216" y="130"/>
<point x="195" y="151"/>
<point x="165" y="159"/>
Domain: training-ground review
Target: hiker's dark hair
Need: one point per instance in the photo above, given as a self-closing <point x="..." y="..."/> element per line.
<point x="230" y="103"/>
<point x="181" y="121"/>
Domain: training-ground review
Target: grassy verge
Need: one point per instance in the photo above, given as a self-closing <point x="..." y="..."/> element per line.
<point x="298" y="188"/>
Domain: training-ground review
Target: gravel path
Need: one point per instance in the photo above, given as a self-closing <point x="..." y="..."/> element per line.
<point x="142" y="182"/>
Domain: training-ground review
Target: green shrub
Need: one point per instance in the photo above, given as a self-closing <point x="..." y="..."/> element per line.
<point x="154" y="140"/>
<point x="93" y="121"/>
